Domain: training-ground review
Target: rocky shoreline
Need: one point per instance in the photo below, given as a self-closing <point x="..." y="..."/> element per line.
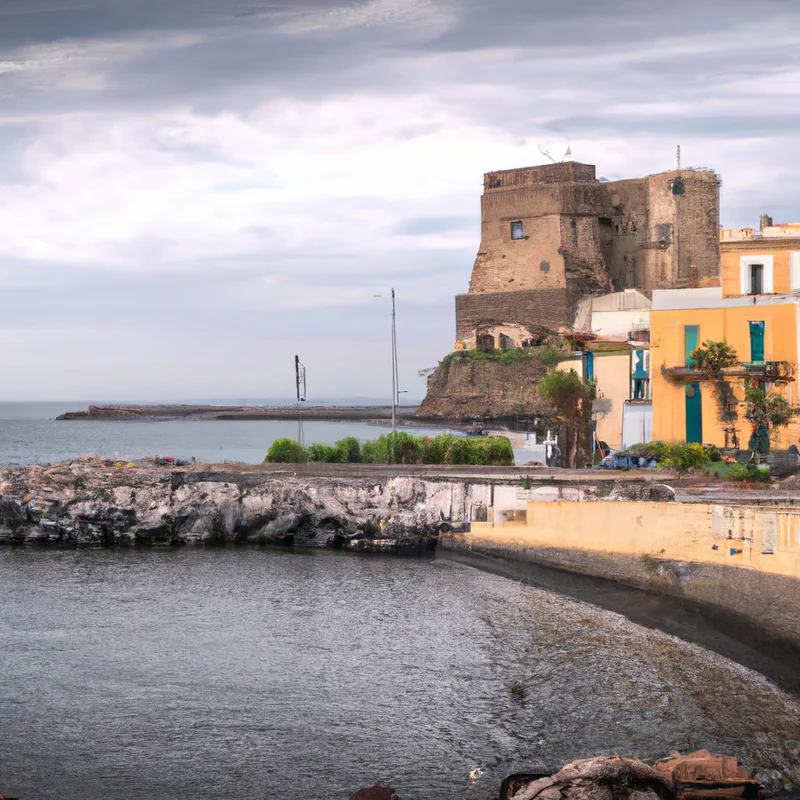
<point x="92" y="502"/>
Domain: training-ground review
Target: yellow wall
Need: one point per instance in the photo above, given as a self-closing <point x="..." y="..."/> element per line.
<point x="612" y="373"/>
<point x="678" y="531"/>
<point x="667" y="347"/>
<point x="731" y="271"/>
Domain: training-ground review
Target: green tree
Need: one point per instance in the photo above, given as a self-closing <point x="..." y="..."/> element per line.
<point x="572" y="400"/>
<point x="286" y="451"/>
<point x="769" y="413"/>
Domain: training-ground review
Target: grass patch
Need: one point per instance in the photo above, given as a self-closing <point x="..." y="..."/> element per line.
<point x="650" y="564"/>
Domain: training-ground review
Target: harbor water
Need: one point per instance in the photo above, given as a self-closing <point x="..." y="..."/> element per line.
<point x="252" y="674"/>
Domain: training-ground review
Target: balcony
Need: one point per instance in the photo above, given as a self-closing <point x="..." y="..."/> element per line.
<point x="771" y="371"/>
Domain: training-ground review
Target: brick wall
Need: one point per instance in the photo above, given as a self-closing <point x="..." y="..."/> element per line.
<point x="533" y="309"/>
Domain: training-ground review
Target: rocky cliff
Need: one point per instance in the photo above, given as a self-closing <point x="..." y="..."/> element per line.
<point x="493" y="387"/>
<point x="91" y="502"/>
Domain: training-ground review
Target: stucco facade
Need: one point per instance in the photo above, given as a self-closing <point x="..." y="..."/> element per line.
<point x="703" y="315"/>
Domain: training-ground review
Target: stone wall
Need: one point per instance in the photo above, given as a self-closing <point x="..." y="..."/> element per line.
<point x="533" y="309"/>
<point x="584" y="238"/>
<point x="742" y="559"/>
<point x="466" y="388"/>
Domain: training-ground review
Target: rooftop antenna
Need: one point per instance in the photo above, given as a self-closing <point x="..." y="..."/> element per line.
<point x="545" y="153"/>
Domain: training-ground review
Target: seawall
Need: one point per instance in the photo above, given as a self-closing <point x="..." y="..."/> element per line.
<point x="736" y="558"/>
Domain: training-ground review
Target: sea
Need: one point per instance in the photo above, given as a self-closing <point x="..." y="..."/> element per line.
<point x="30" y="433"/>
<point x="256" y="674"/>
<point x="261" y="674"/>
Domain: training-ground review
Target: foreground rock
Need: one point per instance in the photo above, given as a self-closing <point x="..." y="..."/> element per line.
<point x="376" y="792"/>
<point x="95" y="502"/>
<point x="698" y="775"/>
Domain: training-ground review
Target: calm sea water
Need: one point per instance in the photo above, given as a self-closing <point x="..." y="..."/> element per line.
<point x="247" y="673"/>
<point x="30" y="434"/>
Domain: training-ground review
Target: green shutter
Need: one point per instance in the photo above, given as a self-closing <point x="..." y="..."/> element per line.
<point x="691" y="335"/>
<point x="756" y="341"/>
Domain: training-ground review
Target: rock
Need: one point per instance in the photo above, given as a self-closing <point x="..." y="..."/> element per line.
<point x="601" y="779"/>
<point x="647" y="492"/>
<point x="146" y="504"/>
<point x="376" y="792"/>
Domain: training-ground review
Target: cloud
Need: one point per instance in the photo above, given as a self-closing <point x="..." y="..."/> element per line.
<point x="224" y="175"/>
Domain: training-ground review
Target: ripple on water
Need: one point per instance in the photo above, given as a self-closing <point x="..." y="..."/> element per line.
<point x="255" y="674"/>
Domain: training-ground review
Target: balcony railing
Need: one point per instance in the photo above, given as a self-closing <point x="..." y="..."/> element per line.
<point x="774" y="371"/>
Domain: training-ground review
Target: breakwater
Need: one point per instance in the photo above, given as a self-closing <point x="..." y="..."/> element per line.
<point x="405" y="414"/>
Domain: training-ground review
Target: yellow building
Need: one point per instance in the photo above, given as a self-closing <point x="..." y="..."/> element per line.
<point x="759" y="324"/>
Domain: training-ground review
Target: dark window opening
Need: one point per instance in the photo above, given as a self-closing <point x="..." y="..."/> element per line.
<point x="605" y="221"/>
<point x="545" y="266"/>
<point x="756" y="279"/>
<point x="516" y="231"/>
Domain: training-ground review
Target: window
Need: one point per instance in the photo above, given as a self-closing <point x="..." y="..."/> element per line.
<point x="691" y="335"/>
<point x="588" y="366"/>
<point x="794" y="271"/>
<point x="640" y="389"/>
<point x="756" y="279"/>
<point x="756" y="275"/>
<point x="756" y="342"/>
<point x="516" y="231"/>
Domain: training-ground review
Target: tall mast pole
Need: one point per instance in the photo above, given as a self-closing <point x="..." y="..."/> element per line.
<point x="394" y="369"/>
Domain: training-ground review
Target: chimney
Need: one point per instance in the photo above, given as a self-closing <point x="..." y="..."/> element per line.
<point x="765" y="222"/>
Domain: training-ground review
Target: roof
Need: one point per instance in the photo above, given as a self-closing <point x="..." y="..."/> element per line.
<point x="711" y="297"/>
<point x="626" y="300"/>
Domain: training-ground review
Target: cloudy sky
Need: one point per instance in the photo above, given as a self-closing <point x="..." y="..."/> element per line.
<point x="195" y="190"/>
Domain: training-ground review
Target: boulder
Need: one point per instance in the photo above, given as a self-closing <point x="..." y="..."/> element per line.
<point x="376" y="792"/>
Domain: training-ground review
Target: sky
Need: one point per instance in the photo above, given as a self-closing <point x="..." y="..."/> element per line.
<point x="194" y="191"/>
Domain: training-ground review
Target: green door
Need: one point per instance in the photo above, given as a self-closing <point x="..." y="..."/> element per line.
<point x="694" y="413"/>
<point x="756" y="342"/>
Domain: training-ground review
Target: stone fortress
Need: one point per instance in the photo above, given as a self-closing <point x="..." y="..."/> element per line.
<point x="553" y="235"/>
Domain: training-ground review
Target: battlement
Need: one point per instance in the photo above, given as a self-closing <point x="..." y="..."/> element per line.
<point x="566" y="172"/>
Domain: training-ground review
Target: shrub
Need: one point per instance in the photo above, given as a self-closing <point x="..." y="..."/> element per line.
<point x="680" y="457"/>
<point x="322" y="453"/>
<point x="683" y="457"/>
<point x="747" y="472"/>
<point x="550" y="356"/>
<point x="286" y="451"/>
<point x="712" y="357"/>
<point x="393" y="448"/>
<point x="434" y="449"/>
<point x="493" y="451"/>
<point x="347" y="451"/>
